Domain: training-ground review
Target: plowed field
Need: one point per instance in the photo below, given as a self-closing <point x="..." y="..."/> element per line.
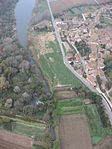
<point x="13" y="141"/>
<point x="60" y="5"/>
<point x="74" y="132"/>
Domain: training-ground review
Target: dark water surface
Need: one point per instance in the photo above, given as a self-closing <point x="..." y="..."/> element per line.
<point x="23" y="13"/>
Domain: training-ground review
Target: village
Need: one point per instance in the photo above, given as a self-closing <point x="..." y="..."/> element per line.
<point x="87" y="40"/>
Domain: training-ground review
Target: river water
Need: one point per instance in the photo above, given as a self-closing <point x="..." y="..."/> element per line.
<point x="23" y="13"/>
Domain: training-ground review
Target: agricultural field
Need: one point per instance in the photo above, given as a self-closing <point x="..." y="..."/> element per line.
<point x="60" y="5"/>
<point x="74" y="132"/>
<point x="9" y="140"/>
<point x="69" y="106"/>
<point x="55" y="70"/>
<point x="97" y="129"/>
<point x="47" y="53"/>
<point x="41" y="11"/>
<point x="35" y="130"/>
<point x="37" y="147"/>
<point x="72" y="125"/>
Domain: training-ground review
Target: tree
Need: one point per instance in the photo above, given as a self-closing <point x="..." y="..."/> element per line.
<point x="108" y="85"/>
<point x="99" y="80"/>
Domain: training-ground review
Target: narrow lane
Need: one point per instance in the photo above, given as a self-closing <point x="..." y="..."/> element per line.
<point x="96" y="2"/>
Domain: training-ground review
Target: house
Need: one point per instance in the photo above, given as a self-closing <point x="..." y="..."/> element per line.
<point x="77" y="58"/>
<point x="100" y="63"/>
<point x="92" y="80"/>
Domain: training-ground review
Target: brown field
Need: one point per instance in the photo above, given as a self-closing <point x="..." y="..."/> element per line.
<point x="13" y="141"/>
<point x="60" y="5"/>
<point x="65" y="94"/>
<point x="106" y="144"/>
<point x="41" y="42"/>
<point x="74" y="132"/>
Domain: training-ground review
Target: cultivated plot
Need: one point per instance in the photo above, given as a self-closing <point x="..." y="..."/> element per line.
<point x="10" y="140"/>
<point x="60" y="5"/>
<point x="74" y="132"/>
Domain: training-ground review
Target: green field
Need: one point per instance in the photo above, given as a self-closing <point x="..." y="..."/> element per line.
<point x="37" y="130"/>
<point x="41" y="10"/>
<point x="97" y="129"/>
<point x="69" y="106"/>
<point x="55" y="70"/>
<point x="30" y="131"/>
<point x="38" y="147"/>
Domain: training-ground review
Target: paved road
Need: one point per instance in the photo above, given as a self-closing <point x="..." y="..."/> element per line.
<point x="96" y="2"/>
<point x="107" y="103"/>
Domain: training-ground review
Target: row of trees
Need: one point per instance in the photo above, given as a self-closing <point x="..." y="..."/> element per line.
<point x="108" y="70"/>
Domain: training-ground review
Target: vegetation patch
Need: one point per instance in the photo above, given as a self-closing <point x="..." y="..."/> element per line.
<point x="55" y="70"/>
<point x="98" y="130"/>
<point x="41" y="11"/>
<point x="69" y="106"/>
<point x="35" y="130"/>
<point x="37" y="147"/>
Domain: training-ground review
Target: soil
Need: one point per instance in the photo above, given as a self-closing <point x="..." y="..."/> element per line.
<point x="74" y="132"/>
<point x="65" y="94"/>
<point x="41" y="42"/>
<point x="14" y="141"/>
<point x="60" y="5"/>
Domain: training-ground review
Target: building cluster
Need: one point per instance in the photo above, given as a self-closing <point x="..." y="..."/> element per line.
<point x="95" y="29"/>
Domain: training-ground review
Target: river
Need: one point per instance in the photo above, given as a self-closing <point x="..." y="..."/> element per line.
<point x="23" y="14"/>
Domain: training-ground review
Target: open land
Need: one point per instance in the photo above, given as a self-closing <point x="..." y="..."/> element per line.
<point x="49" y="55"/>
<point x="70" y="106"/>
<point x="106" y="144"/>
<point x="74" y="132"/>
<point x="36" y="131"/>
<point x="97" y="129"/>
<point x="75" y="107"/>
<point x="73" y="125"/>
<point x="60" y="5"/>
<point x="9" y="140"/>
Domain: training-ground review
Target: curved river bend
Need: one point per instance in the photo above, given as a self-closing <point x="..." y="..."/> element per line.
<point x="23" y="14"/>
